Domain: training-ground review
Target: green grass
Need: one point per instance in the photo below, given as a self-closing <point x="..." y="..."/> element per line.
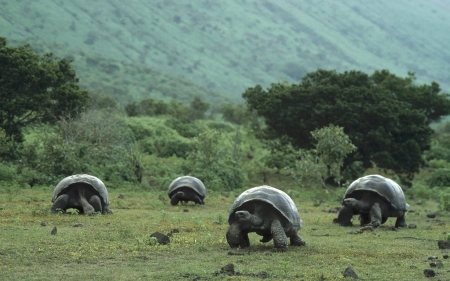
<point x="118" y="246"/>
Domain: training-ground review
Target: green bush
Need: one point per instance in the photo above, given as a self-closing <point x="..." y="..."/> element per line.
<point x="7" y="172"/>
<point x="184" y="129"/>
<point x="169" y="147"/>
<point x="441" y="177"/>
<point x="445" y="200"/>
<point x="439" y="164"/>
<point x="421" y="191"/>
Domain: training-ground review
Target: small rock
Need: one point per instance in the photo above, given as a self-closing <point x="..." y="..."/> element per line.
<point x="445" y="256"/>
<point x="121" y="196"/>
<point x="429" y="272"/>
<point x="432" y="215"/>
<point x="228" y="269"/>
<point x="175" y="230"/>
<point x="348" y="272"/>
<point x="432" y="258"/>
<point x="437" y="264"/>
<point x="162" y="238"/>
<point x="185" y="210"/>
<point x="412" y="225"/>
<point x="43" y="223"/>
<point x="334" y="210"/>
<point x="262" y="275"/>
<point x="366" y="228"/>
<point x="443" y="244"/>
<point x="78" y="224"/>
<point x="54" y="231"/>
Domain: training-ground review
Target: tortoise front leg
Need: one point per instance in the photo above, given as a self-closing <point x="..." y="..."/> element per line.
<point x="401" y="221"/>
<point x="279" y="237"/>
<point x="198" y="200"/>
<point x="364" y="219"/>
<point x="295" y="239"/>
<point x="266" y="236"/>
<point x="375" y="215"/>
<point x="87" y="208"/>
<point x="244" y="241"/>
<point x="345" y="216"/>
<point x="176" y="198"/>
<point x="60" y="203"/>
<point x="96" y="203"/>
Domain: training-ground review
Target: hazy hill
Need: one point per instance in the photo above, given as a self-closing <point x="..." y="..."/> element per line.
<point x="228" y="46"/>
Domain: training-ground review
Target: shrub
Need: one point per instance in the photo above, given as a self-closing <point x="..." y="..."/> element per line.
<point x="441" y="177"/>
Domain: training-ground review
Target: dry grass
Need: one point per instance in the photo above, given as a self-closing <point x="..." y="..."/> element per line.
<point x="118" y="247"/>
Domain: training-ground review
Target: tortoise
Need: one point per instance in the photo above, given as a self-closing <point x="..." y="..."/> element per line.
<point x="267" y="211"/>
<point x="185" y="189"/>
<point x="83" y="192"/>
<point x="375" y="198"/>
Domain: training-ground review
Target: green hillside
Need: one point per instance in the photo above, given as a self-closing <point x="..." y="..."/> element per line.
<point x="227" y="46"/>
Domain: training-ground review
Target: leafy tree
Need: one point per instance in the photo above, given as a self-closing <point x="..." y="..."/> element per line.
<point x="316" y="166"/>
<point x="197" y="109"/>
<point x="385" y="117"/>
<point x="35" y="88"/>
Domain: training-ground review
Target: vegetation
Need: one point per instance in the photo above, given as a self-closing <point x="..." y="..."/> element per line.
<point x="386" y="117"/>
<point x="35" y="89"/>
<point x="130" y="55"/>
<point x="138" y="149"/>
<point x="119" y="247"/>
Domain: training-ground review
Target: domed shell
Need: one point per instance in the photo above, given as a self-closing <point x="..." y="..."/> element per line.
<point x="95" y="182"/>
<point x="384" y="187"/>
<point x="187" y="181"/>
<point x="273" y="196"/>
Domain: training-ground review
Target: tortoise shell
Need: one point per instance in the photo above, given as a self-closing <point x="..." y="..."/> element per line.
<point x="94" y="182"/>
<point x="278" y="199"/>
<point x="386" y="188"/>
<point x="187" y="181"/>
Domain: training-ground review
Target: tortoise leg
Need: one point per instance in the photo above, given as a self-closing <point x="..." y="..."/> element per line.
<point x="375" y="215"/>
<point x="295" y="239"/>
<point x="345" y="216"/>
<point x="237" y="238"/>
<point x="60" y="203"/>
<point x="244" y="242"/>
<point x="175" y="198"/>
<point x="87" y="208"/>
<point x="96" y="203"/>
<point x="401" y="221"/>
<point x="279" y="237"/>
<point x="197" y="200"/>
<point x="364" y="219"/>
<point x="266" y="237"/>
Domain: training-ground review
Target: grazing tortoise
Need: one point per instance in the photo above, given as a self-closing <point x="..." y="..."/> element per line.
<point x="187" y="188"/>
<point x="267" y="211"/>
<point x="85" y="193"/>
<point x="374" y="198"/>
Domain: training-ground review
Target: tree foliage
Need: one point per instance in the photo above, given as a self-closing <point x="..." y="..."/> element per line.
<point x="35" y="88"/>
<point x="385" y="117"/>
<point x="315" y="166"/>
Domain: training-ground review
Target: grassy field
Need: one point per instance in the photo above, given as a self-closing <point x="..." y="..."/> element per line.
<point x="119" y="247"/>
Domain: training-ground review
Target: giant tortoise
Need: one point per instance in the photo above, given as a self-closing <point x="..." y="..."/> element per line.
<point x="83" y="192"/>
<point x="267" y="211"/>
<point x="374" y="198"/>
<point x="186" y="188"/>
